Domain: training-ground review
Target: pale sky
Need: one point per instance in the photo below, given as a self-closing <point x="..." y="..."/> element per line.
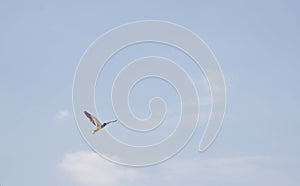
<point x="256" y="44"/>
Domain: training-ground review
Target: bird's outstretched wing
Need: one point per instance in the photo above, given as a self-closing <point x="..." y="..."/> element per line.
<point x="111" y="121"/>
<point x="93" y="119"/>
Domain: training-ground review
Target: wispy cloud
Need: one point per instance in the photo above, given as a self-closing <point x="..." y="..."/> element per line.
<point x="62" y="114"/>
<point x="203" y="84"/>
<point x="211" y="170"/>
<point x="240" y="170"/>
<point x="89" y="169"/>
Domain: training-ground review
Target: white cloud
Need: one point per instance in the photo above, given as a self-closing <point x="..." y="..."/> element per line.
<point x="89" y="169"/>
<point x="244" y="170"/>
<point x="210" y="170"/>
<point x="62" y="114"/>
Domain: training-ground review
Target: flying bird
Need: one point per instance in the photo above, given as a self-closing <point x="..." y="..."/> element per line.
<point x="96" y="122"/>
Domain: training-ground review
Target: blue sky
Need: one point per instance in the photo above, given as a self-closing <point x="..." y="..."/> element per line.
<point x="255" y="42"/>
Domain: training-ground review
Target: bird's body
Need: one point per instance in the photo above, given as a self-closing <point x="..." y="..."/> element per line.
<point x="98" y="128"/>
<point x="96" y="122"/>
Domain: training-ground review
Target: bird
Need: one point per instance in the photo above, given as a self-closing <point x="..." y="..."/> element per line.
<point x="96" y="122"/>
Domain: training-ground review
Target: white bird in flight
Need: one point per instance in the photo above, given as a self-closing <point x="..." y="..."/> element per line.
<point x="96" y="122"/>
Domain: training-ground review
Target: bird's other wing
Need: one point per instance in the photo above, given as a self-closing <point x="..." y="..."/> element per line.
<point x="111" y="121"/>
<point x="93" y="119"/>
